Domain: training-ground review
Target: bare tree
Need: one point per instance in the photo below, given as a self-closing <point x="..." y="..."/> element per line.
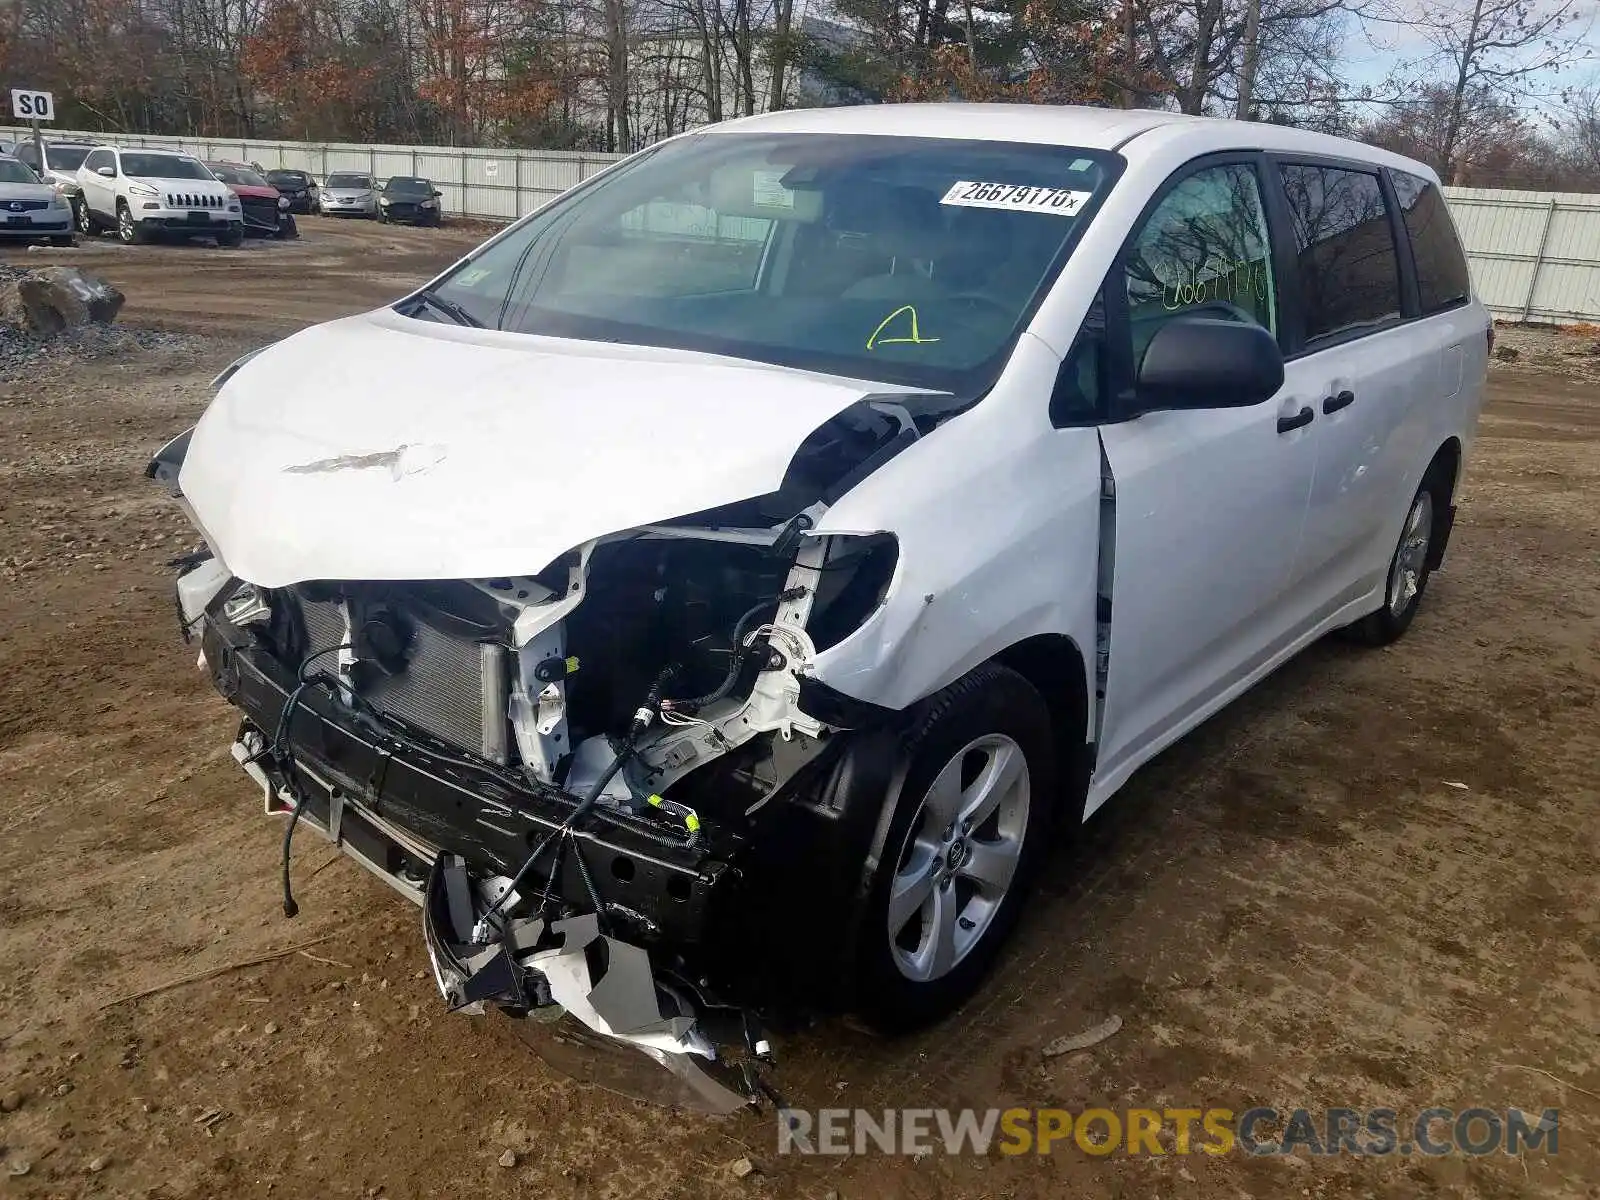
<point x="1578" y="128"/>
<point x="1238" y="56"/>
<point x="1502" y="50"/>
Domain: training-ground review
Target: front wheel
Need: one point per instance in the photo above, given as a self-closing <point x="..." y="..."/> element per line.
<point x="128" y="231"/>
<point x="1408" y="567"/>
<point x="83" y="218"/>
<point x="962" y="847"/>
<point x="65" y="242"/>
<point x="231" y="238"/>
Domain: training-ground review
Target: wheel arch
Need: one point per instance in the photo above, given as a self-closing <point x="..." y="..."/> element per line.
<point x="1055" y="666"/>
<point x="1445" y="465"/>
<point x="1446" y="461"/>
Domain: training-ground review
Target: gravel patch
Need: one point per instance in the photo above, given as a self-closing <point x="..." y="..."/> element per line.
<point x="20" y="351"/>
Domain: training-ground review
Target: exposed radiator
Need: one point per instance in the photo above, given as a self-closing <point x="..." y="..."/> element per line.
<point x="452" y="688"/>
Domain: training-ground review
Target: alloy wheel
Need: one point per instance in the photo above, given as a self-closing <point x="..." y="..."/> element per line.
<point x="959" y="858"/>
<point x="1410" y="559"/>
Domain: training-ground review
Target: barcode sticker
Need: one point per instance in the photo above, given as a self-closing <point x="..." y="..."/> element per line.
<point x="1022" y="197"/>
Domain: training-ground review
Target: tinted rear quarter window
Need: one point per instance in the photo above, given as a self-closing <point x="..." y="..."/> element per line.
<point x="1442" y="279"/>
<point x="1348" y="271"/>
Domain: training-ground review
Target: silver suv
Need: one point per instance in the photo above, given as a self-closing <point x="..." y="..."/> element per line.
<point x="58" y="167"/>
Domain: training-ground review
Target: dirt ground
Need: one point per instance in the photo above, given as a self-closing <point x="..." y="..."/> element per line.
<point x="1372" y="882"/>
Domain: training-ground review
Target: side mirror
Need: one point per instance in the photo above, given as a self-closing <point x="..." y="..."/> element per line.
<point x="108" y="172"/>
<point x="1202" y="362"/>
<point x="437" y="193"/>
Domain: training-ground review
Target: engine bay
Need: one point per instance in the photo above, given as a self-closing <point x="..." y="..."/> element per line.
<point x="616" y="674"/>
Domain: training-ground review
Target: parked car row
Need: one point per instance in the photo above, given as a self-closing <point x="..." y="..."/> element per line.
<point x="409" y="199"/>
<point x="141" y="194"/>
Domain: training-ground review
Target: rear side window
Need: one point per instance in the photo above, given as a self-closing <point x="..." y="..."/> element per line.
<point x="1442" y="279"/>
<point x="1348" y="271"/>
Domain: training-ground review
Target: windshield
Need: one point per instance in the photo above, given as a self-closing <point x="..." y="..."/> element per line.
<point x="419" y="187"/>
<point x="914" y="260"/>
<point x="12" y="171"/>
<point x="243" y="176"/>
<point x="359" y="182"/>
<point x="163" y="166"/>
<point x="65" y="158"/>
<point x="289" y="178"/>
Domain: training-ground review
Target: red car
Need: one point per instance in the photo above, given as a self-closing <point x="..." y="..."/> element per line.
<point x="266" y="210"/>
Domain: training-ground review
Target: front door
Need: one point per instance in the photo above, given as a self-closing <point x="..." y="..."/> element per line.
<point x="1209" y="505"/>
<point x="98" y="191"/>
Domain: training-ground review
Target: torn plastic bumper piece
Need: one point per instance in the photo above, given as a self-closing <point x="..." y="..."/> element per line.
<point x="607" y="985"/>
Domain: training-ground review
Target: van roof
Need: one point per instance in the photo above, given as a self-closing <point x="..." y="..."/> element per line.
<point x="1048" y="124"/>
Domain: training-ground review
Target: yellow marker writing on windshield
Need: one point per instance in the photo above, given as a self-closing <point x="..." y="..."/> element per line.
<point x="916" y="338"/>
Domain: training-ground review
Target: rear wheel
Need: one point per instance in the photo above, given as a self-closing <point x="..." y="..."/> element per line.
<point x="962" y="848"/>
<point x="1409" y="568"/>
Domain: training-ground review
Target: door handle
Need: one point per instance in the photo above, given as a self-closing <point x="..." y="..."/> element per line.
<point x="1334" y="403"/>
<point x="1298" y="421"/>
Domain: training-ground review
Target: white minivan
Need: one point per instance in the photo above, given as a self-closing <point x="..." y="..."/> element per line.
<point x="710" y="591"/>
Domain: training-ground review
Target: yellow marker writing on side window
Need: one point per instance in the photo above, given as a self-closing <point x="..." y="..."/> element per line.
<point x="916" y="338"/>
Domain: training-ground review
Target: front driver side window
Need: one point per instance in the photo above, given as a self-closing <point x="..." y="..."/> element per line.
<point x="1203" y="252"/>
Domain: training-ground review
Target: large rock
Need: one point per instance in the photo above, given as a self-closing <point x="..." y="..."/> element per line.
<point x="47" y="301"/>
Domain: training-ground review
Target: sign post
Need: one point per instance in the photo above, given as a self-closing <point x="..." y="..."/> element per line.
<point x="33" y="106"/>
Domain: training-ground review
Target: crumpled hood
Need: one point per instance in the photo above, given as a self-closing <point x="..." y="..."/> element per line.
<point x="384" y="447"/>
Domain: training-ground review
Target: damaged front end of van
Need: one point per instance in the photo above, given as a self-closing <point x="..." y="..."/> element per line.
<point x="548" y="667"/>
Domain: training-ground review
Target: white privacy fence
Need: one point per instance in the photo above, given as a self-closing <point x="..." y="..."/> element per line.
<point x="1535" y="256"/>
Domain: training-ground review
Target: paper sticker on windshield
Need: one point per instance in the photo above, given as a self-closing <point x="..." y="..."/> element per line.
<point x="1063" y="202"/>
<point x="769" y="191"/>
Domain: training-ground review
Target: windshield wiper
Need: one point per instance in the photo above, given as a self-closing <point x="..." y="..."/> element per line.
<point x="449" y="308"/>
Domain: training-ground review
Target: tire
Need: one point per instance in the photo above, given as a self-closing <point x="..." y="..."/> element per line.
<point x="83" y="218"/>
<point x="65" y="243"/>
<point x="1408" y="574"/>
<point x="231" y="239"/>
<point x="128" y="231"/>
<point x="930" y="930"/>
